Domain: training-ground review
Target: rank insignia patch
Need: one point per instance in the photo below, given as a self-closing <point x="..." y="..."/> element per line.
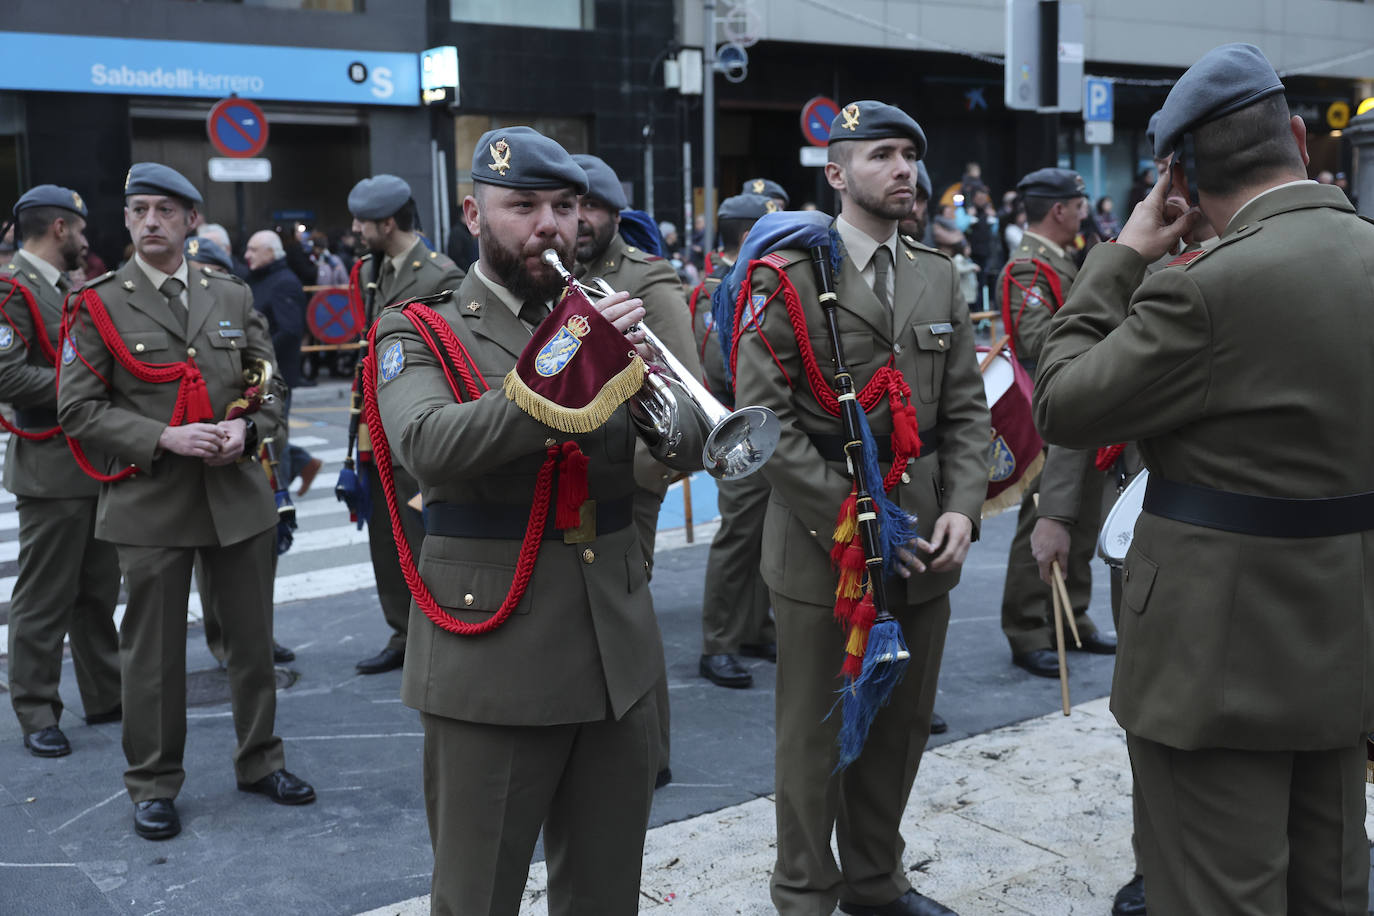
<point x="500" y="157"/>
<point x="555" y="355"/>
<point x="393" y="361"/>
<point x="6" y="337"/>
<point x="1001" y="461"/>
<point x="68" y="352"/>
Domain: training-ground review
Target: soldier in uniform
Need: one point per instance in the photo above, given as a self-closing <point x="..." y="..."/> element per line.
<point x="548" y="719"/>
<point x="898" y="305"/>
<point x="1064" y="526"/>
<point x="68" y="582"/>
<point x="734" y="601"/>
<point x="768" y="188"/>
<point x="397" y="267"/>
<point x="1243" y="372"/>
<point x="155" y="354"/>
<point x="601" y="252"/>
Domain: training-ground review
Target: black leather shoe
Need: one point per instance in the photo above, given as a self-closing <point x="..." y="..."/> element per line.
<point x="664" y="777"/>
<point x="280" y="654"/>
<point x="388" y="659"/>
<point x="909" y="904"/>
<point x="1039" y="662"/>
<point x="1130" y="900"/>
<point x="1096" y="643"/>
<point x="938" y="726"/>
<point x="282" y="788"/>
<point x="111" y="715"/>
<point x="48" y="742"/>
<point x="724" y="671"/>
<point x="156" y="819"/>
<point x="764" y="650"/>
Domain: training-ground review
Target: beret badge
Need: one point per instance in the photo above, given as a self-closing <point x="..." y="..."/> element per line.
<point x="851" y="117"/>
<point x="500" y="157"/>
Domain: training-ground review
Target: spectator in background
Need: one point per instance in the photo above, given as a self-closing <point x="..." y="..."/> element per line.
<point x="280" y="296"/>
<point x="951" y="241"/>
<point x="979" y="224"/>
<point x="345" y="245"/>
<point x="462" y="246"/>
<point x="329" y="269"/>
<point x="1015" y="227"/>
<point x="697" y="250"/>
<point x="1325" y="177"/>
<point x="1144" y="183"/>
<point x="1342" y="182"/>
<point x="220" y="237"/>
<point x="296" y="258"/>
<point x="1108" y="226"/>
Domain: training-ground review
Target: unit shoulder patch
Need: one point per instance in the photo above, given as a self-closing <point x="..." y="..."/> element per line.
<point x="393" y="361"/>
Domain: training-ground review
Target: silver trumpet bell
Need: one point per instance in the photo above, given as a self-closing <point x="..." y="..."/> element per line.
<point x="740" y="441"/>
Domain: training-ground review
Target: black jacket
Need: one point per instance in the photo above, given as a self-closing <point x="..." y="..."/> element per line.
<point x="278" y="294"/>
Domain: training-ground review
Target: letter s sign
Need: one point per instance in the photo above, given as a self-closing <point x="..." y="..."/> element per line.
<point x="382" y="86"/>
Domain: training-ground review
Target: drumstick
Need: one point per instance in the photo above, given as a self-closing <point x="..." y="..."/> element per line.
<point x="992" y="352"/>
<point x="1062" y="592"/>
<point x="1058" y="634"/>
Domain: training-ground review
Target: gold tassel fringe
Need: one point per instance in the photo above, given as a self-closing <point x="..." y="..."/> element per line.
<point x="621" y="387"/>
<point x="1011" y="496"/>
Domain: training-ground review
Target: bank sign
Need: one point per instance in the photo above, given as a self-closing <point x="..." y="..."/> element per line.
<point x="77" y="63"/>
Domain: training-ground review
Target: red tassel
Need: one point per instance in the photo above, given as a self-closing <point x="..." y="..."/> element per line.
<point x="852" y="568"/>
<point x="906" y="439"/>
<point x="1107" y="455"/>
<point x="572" y="487"/>
<point x="844" y="609"/>
<point x="198" y="408"/>
<point x="853" y="666"/>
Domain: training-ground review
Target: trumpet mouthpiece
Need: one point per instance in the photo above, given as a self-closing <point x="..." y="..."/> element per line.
<point x="552" y="259"/>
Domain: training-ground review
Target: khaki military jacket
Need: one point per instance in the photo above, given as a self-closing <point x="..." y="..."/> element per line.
<point x="708" y="343"/>
<point x="422" y="273"/>
<point x="173" y="500"/>
<point x="1030" y="329"/>
<point x="1247" y="370"/>
<point x="583" y="641"/>
<point x="652" y="279"/>
<point x="29" y="382"/>
<point x="929" y="339"/>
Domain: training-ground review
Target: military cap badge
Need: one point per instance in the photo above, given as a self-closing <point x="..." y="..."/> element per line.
<point x="76" y="202"/>
<point x="771" y="206"/>
<point x="758" y="185"/>
<point x="192" y="247"/>
<point x="500" y="157"/>
<point x="851" y="117"/>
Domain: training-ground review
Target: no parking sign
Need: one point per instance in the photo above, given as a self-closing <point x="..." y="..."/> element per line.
<point x="330" y="316"/>
<point x="237" y="128"/>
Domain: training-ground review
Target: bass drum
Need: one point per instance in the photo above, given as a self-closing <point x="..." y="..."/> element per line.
<point x="1118" y="531"/>
<point x="1016" y="452"/>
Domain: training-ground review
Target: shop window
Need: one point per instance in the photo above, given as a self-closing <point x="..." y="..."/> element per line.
<point x="546" y="14"/>
<point x="571" y="133"/>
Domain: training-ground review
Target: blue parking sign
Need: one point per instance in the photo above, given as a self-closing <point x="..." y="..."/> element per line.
<point x="1097" y="99"/>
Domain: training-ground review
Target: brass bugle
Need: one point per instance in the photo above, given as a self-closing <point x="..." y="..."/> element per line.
<point x="739" y="441"/>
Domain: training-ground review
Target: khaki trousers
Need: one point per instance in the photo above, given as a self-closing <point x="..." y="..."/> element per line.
<point x="863" y="805"/>
<point x="645" y="506"/>
<point x="152" y="644"/>
<point x="1252" y="833"/>
<point x="490" y="788"/>
<point x="68" y="583"/>
<point x="392" y="591"/>
<point x="734" y="606"/>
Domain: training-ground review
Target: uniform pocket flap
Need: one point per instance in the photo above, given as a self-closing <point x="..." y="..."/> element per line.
<point x="1137" y="581"/>
<point x="146" y="341"/>
<point x="934" y="336"/>
<point x="467" y="586"/>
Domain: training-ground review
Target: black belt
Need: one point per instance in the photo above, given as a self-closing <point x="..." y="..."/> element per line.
<point x="508" y="523"/>
<point x="35" y="417"/>
<point x="831" y="447"/>
<point x="1265" y="516"/>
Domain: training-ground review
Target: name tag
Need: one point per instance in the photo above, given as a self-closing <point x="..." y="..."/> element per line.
<point x="943" y="328"/>
<point x="231" y="332"/>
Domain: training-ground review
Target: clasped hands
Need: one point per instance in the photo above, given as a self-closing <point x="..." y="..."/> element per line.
<point x="214" y="443"/>
<point x="949" y="543"/>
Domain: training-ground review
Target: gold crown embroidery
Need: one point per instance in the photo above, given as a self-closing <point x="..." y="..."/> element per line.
<point x="500" y="157"/>
<point x="579" y="326"/>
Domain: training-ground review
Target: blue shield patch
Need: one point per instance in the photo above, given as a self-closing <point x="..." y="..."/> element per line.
<point x="1001" y="462"/>
<point x="393" y="361"/>
<point x="753" y="312"/>
<point x="709" y="321"/>
<point x="557" y="353"/>
<point x="6" y="337"/>
<point x="68" y="352"/>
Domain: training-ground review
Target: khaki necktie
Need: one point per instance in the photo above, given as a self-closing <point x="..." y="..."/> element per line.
<point x="882" y="275"/>
<point x="532" y="313"/>
<point x="172" y="289"/>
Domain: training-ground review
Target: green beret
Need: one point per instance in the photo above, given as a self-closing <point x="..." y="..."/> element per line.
<point x="766" y="187"/>
<point x="868" y="120"/>
<point x="746" y="206"/>
<point x="378" y="197"/>
<point x="1226" y="79"/>
<point x="602" y="181"/>
<point x="156" y="178"/>
<point x="50" y="195"/>
<point x="522" y="157"/>
<point x="1056" y="184"/>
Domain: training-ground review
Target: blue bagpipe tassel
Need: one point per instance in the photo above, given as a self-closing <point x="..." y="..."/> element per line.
<point x="286" y="521"/>
<point x="885" y="662"/>
<point x="896" y="526"/>
<point x="351" y="489"/>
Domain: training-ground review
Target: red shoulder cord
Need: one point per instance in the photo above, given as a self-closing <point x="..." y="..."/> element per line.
<point x="1107" y="455"/>
<point x="572" y="467"/>
<point x="193" y="398"/>
<point x="705" y="338"/>
<point x="355" y="297"/>
<point x="886" y="382"/>
<point x="40" y="333"/>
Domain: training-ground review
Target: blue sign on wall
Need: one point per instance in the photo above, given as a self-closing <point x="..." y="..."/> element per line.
<point x="1097" y="99"/>
<point x="127" y="66"/>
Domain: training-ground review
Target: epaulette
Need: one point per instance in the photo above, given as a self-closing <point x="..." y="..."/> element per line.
<point x="365" y="256"/>
<point x="643" y="257"/>
<point x="434" y="299"/>
<point x="221" y="274"/>
<point x="912" y="243"/>
<point x="441" y="260"/>
<point x="1189" y="258"/>
<point x="98" y="280"/>
<point x="785" y="257"/>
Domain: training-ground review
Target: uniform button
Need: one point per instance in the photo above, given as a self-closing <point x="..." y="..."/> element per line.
<point x="897" y="349"/>
<point x="813" y="532"/>
<point x="942" y="343"/>
<point x="1126" y="574"/>
<point x="138" y="347"/>
<point x="468" y="599"/>
<point x="191" y="352"/>
<point x="550" y="443"/>
<point x="906" y="478"/>
<point x="588" y="556"/>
